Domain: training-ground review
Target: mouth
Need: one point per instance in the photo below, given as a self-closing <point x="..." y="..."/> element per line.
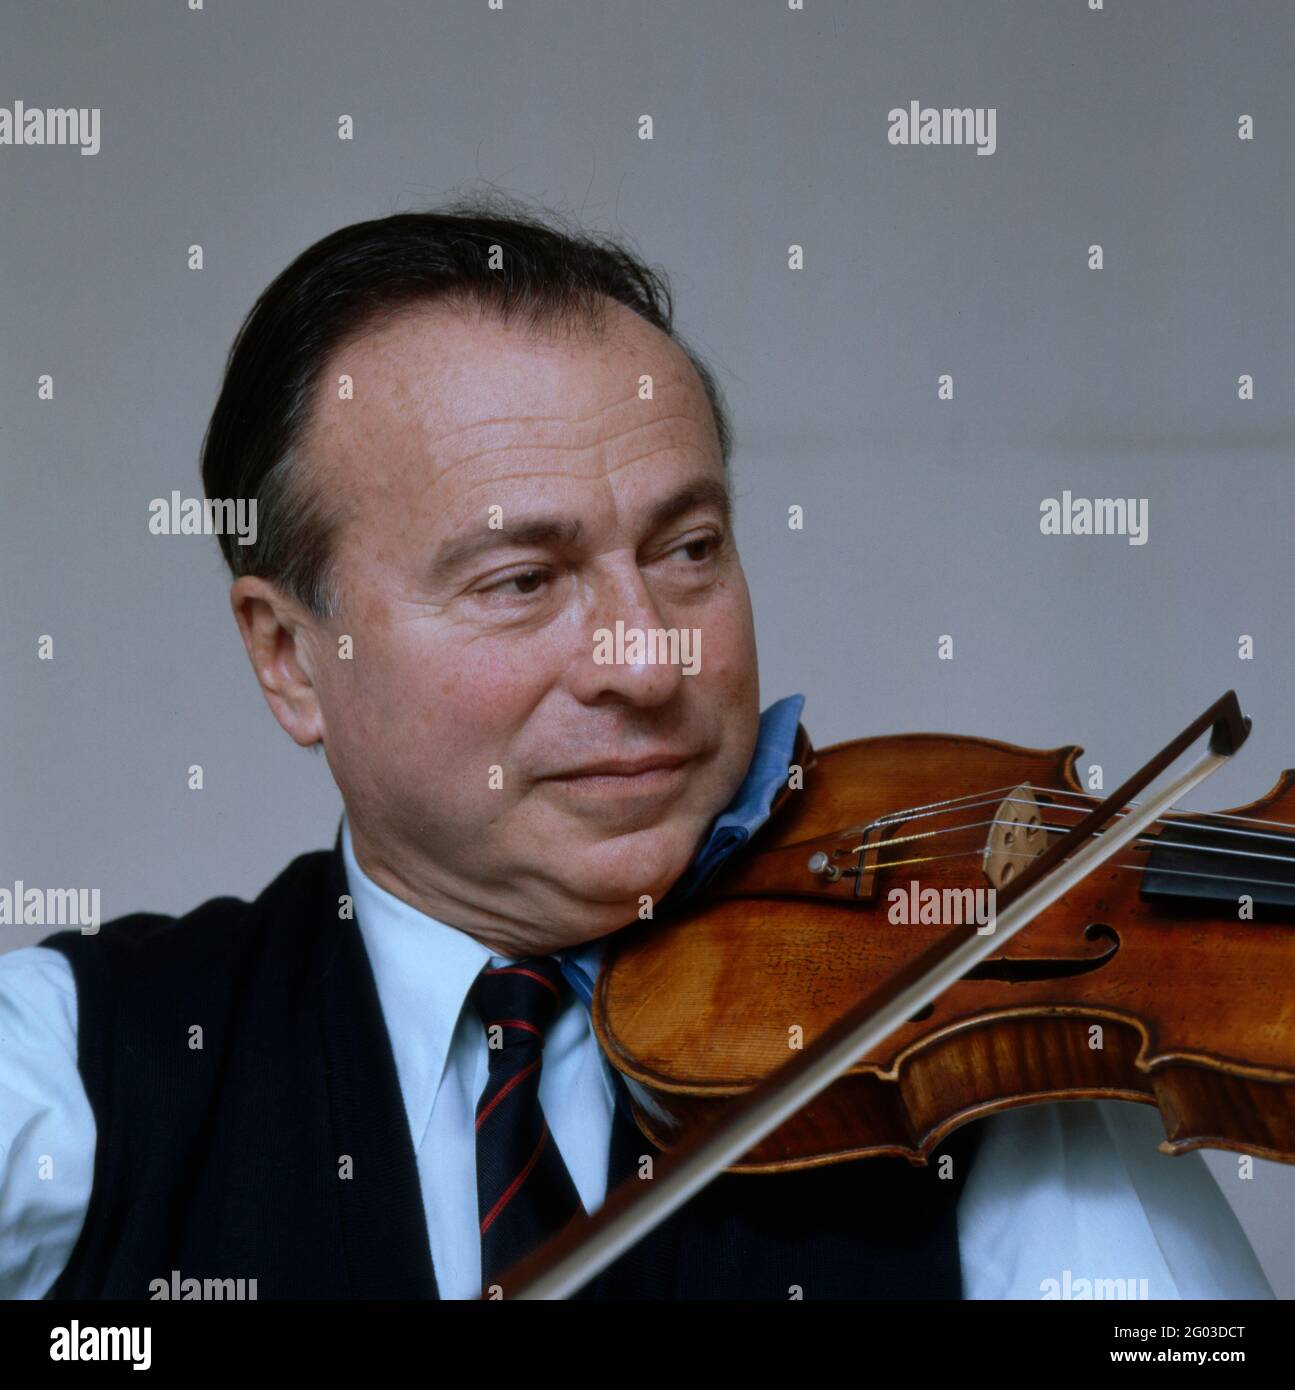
<point x="658" y="774"/>
<point x="627" y="767"/>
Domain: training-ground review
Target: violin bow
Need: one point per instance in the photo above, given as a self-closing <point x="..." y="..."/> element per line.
<point x="586" y="1246"/>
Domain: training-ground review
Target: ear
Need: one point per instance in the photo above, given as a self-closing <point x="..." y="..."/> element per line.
<point x="277" y="632"/>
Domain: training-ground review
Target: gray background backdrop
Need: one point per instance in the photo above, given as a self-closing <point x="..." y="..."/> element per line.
<point x="1119" y="127"/>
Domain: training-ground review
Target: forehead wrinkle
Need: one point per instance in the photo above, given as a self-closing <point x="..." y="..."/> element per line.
<point x="447" y="468"/>
<point x="660" y="449"/>
<point x="540" y="444"/>
<point x="466" y="509"/>
<point x="680" y="445"/>
<point x="531" y="420"/>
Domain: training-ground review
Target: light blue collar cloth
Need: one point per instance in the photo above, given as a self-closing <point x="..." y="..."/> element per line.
<point x="730" y="830"/>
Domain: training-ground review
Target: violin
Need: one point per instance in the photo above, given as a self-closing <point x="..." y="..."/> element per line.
<point x="931" y="928"/>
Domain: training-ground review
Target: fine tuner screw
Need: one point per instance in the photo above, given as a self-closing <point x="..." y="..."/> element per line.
<point x="820" y="863"/>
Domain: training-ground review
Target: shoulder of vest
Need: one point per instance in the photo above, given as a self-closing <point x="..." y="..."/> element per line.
<point x="217" y="932"/>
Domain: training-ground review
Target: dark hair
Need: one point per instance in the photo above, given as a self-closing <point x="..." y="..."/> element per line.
<point x="338" y="287"/>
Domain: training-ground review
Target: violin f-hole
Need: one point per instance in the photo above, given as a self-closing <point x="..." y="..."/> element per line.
<point x="1020" y="969"/>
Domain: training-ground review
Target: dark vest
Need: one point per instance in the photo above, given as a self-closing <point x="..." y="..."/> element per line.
<point x="225" y="1161"/>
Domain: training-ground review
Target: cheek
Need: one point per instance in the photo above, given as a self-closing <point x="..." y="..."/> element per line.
<point x="473" y="695"/>
<point x="728" y="651"/>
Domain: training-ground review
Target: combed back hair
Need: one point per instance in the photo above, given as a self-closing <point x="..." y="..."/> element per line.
<point x="544" y="272"/>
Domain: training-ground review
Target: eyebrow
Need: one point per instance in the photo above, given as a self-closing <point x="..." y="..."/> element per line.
<point x="564" y="531"/>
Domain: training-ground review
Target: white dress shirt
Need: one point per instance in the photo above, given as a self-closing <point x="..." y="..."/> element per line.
<point x="423" y="970"/>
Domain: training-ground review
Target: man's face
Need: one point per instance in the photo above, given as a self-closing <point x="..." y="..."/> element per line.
<point x="504" y="497"/>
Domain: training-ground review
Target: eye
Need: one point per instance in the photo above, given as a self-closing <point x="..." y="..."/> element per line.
<point x="699" y="549"/>
<point x="526" y="581"/>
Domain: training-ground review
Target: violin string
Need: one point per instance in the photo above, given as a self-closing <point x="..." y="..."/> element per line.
<point x="1179" y="815"/>
<point x="1155" y="842"/>
<point x="1015" y="854"/>
<point x="1188" y="820"/>
<point x="1159" y="841"/>
<point x="913" y="812"/>
<point x="943" y="808"/>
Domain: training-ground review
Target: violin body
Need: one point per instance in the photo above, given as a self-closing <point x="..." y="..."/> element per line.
<point x="1176" y="999"/>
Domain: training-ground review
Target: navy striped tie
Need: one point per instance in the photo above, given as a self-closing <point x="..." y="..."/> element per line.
<point x="524" y="1192"/>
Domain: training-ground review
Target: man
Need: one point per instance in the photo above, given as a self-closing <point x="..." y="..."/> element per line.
<point x="476" y="444"/>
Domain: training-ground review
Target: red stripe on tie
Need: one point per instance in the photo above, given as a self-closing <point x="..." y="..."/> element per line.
<point x="511" y="1191"/>
<point x="514" y="1023"/>
<point x="521" y="970"/>
<point x="505" y="1088"/>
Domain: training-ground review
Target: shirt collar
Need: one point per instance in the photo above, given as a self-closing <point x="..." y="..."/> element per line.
<point x="422" y="969"/>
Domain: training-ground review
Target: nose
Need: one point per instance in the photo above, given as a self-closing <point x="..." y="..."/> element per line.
<point x="625" y="655"/>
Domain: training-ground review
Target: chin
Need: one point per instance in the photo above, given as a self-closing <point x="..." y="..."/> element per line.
<point x="615" y="873"/>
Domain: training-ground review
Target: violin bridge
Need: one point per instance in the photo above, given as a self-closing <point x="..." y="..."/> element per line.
<point x="1016" y="835"/>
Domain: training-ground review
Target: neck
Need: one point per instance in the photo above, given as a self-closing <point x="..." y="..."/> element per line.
<point x="1213" y="861"/>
